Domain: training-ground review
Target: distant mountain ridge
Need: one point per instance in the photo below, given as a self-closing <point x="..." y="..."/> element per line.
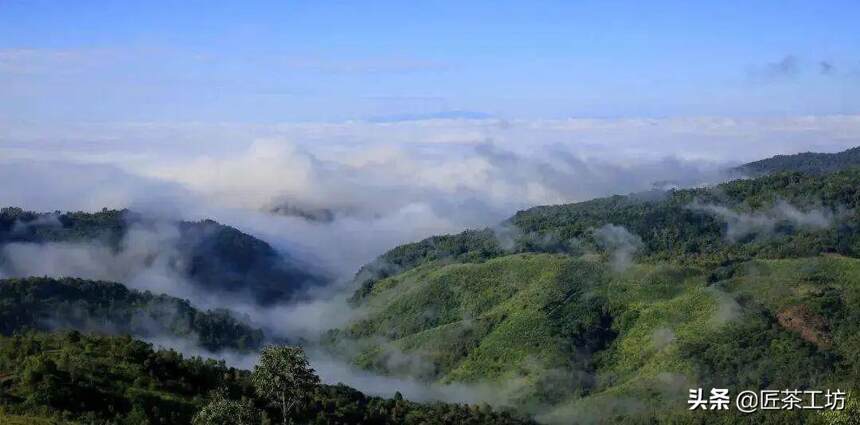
<point x="675" y="225"/>
<point x="213" y="256"/>
<point x="317" y="215"/>
<point x="807" y="162"/>
<point x="442" y="115"/>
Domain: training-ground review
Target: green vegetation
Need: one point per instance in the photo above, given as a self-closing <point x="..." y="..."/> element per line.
<point x="211" y="255"/>
<point x="27" y="420"/>
<point x="465" y="317"/>
<point x="223" y="410"/>
<point x="608" y="310"/>
<point x="91" y="378"/>
<point x="111" y="308"/>
<point x="70" y="377"/>
<point x="555" y="330"/>
<point x="283" y="377"/>
<point x="674" y="226"/>
<point x="752" y="284"/>
<point x="808" y="163"/>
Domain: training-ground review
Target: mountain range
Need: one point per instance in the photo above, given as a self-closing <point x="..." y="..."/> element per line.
<point x="608" y="310"/>
<point x="616" y="307"/>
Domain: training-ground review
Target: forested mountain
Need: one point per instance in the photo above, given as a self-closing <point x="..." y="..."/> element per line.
<point x="807" y="162"/>
<point x="73" y="378"/>
<point x="110" y="308"/>
<point x="98" y="374"/>
<point x="608" y="310"/>
<point x="612" y="309"/>
<point x="784" y="215"/>
<point x="213" y="257"/>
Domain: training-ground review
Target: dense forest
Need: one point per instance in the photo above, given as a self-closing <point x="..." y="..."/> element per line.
<point x="808" y="162"/>
<point x="76" y="378"/>
<point x="104" y="307"/>
<point x="212" y="256"/>
<point x="68" y="352"/>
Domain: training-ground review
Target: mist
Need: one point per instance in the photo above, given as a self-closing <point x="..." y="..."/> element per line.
<point x="620" y="244"/>
<point x="148" y="258"/>
<point x="764" y="223"/>
<point x="378" y="185"/>
<point x="338" y="195"/>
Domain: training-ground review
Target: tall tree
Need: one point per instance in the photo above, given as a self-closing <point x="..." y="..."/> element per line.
<point x="223" y="410"/>
<point x="284" y="377"/>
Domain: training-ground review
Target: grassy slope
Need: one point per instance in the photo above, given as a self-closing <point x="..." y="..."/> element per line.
<point x="673" y="327"/>
<point x="28" y="420"/>
<point x="474" y="310"/>
<point x="725" y="335"/>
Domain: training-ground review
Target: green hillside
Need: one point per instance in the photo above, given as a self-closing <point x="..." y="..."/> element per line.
<point x="612" y="309"/>
<point x="807" y="162"/>
<point x="673" y="225"/>
<point x="29" y="420"/>
<point x="570" y="332"/>
<point x="213" y="256"/>
<point x="110" y="308"/>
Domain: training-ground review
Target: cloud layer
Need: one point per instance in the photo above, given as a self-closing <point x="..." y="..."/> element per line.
<point x="381" y="184"/>
<point x="339" y="194"/>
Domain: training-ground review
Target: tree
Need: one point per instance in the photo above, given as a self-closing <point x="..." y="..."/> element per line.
<point x="848" y="416"/>
<point x="223" y="410"/>
<point x="43" y="381"/>
<point x="284" y="377"/>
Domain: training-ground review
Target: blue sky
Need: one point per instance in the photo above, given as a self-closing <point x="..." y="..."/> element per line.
<point x="122" y="61"/>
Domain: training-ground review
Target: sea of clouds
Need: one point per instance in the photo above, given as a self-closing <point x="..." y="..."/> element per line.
<point x="374" y="185"/>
